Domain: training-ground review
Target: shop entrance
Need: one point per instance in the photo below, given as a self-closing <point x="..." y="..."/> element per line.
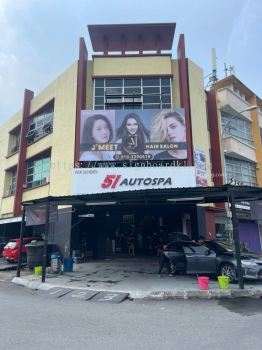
<point x="107" y="232"/>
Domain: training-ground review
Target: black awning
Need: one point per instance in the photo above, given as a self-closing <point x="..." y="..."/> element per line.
<point x="159" y="196"/>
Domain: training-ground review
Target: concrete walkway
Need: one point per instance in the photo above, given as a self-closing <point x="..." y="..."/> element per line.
<point x="138" y="277"/>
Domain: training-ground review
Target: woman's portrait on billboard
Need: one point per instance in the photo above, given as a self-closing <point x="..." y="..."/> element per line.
<point x="168" y="126"/>
<point x="97" y="129"/>
<point x="132" y="135"/>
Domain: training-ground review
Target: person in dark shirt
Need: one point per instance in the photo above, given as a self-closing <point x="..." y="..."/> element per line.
<point x="163" y="261"/>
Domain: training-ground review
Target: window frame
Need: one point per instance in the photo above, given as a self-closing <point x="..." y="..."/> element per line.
<point x="122" y="99"/>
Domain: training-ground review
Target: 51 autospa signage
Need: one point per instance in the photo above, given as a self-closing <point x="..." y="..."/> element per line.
<point x="102" y="180"/>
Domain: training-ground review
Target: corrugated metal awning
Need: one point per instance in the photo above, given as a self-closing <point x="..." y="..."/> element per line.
<point x="10" y="220"/>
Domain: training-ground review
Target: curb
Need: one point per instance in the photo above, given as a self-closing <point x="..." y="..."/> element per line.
<point x="207" y="294"/>
<point x="185" y="294"/>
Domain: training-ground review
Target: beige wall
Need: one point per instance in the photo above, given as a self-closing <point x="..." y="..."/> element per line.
<point x="198" y="112"/>
<point x="6" y="205"/>
<point x="61" y="142"/>
<point x="175" y="86"/>
<point x="137" y="66"/>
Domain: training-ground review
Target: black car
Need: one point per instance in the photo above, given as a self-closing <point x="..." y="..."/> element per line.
<point x="211" y="257"/>
<point x="191" y="258"/>
<point x="227" y="265"/>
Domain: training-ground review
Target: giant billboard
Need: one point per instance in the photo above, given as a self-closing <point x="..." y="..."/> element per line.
<point x="123" y="135"/>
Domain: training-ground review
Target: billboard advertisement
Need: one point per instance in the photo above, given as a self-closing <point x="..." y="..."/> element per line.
<point x="200" y="165"/>
<point x="126" y="135"/>
<point x="109" y="180"/>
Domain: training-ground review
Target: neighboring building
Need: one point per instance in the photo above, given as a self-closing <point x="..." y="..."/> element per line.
<point x="132" y="69"/>
<point x="239" y="158"/>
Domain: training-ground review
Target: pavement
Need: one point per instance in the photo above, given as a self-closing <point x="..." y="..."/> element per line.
<point x="135" y="276"/>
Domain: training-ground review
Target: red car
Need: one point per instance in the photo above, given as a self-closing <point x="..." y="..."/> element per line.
<point x="11" y="250"/>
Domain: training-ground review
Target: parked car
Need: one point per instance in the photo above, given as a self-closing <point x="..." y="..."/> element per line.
<point x="178" y="236"/>
<point x="191" y="258"/>
<point x="211" y="258"/>
<point x="11" y="249"/>
<point x="227" y="265"/>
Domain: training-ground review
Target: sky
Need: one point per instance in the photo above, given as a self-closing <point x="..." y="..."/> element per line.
<point x="39" y="38"/>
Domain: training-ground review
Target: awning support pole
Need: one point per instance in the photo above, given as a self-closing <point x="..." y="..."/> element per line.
<point x="22" y="230"/>
<point x="46" y="240"/>
<point x="236" y="241"/>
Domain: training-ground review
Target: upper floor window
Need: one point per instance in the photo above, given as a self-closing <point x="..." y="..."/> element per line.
<point x="241" y="171"/>
<point x="14" y="140"/>
<point x="40" y="124"/>
<point x="10" y="182"/>
<point x="38" y="171"/>
<point x="238" y="127"/>
<point x="132" y="93"/>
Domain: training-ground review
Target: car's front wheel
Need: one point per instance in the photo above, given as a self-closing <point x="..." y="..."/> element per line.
<point x="227" y="270"/>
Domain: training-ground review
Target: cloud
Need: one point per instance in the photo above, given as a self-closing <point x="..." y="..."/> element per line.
<point x="240" y="33"/>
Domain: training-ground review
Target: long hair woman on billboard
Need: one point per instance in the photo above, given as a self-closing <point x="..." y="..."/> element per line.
<point x="169" y="127"/>
<point x="132" y="135"/>
<point x="97" y="130"/>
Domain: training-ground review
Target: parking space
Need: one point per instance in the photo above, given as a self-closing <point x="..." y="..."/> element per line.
<point x="85" y="295"/>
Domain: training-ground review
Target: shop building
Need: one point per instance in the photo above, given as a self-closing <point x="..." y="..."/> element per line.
<point x="43" y="152"/>
<point x="235" y="117"/>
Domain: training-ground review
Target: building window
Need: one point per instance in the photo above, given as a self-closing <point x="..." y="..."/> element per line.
<point x="10" y="182"/>
<point x="40" y="124"/>
<point x="132" y="93"/>
<point x="238" y="127"/>
<point x="38" y="171"/>
<point x="14" y="141"/>
<point x="240" y="171"/>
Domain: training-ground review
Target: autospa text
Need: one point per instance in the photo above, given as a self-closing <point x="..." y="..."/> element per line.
<point x="111" y="181"/>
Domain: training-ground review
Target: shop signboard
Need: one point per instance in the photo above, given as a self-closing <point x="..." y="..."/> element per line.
<point x="200" y="164"/>
<point x="118" y="179"/>
<point x="128" y="135"/>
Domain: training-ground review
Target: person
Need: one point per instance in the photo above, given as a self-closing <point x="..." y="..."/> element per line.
<point x="169" y="126"/>
<point x="131" y="243"/>
<point x="97" y="130"/>
<point x="132" y="135"/>
<point x="163" y="261"/>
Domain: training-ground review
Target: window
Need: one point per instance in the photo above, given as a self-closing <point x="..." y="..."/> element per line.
<point x="37" y="172"/>
<point x="238" y="127"/>
<point x="10" y="182"/>
<point x="14" y="141"/>
<point x="241" y="171"/>
<point x="41" y="124"/>
<point x="131" y="93"/>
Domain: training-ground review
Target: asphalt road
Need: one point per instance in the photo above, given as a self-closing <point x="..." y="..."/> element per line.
<point x="30" y="320"/>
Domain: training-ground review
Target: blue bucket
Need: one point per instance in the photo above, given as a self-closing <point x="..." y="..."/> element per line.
<point x="68" y="265"/>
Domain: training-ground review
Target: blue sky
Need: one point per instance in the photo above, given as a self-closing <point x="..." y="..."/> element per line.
<point x="39" y="39"/>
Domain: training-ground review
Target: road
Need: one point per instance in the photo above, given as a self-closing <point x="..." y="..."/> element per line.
<point x="30" y="320"/>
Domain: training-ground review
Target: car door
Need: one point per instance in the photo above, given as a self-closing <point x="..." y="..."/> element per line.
<point x="205" y="259"/>
<point x="175" y="254"/>
<point x="191" y="258"/>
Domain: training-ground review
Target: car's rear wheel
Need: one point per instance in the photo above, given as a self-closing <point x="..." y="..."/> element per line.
<point x="228" y="270"/>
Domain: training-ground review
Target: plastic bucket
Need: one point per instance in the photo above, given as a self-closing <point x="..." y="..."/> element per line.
<point x="203" y="282"/>
<point x="223" y="282"/>
<point x="68" y="265"/>
<point x="38" y="270"/>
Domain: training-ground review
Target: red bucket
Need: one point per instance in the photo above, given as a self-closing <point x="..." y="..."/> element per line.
<point x="203" y="282"/>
